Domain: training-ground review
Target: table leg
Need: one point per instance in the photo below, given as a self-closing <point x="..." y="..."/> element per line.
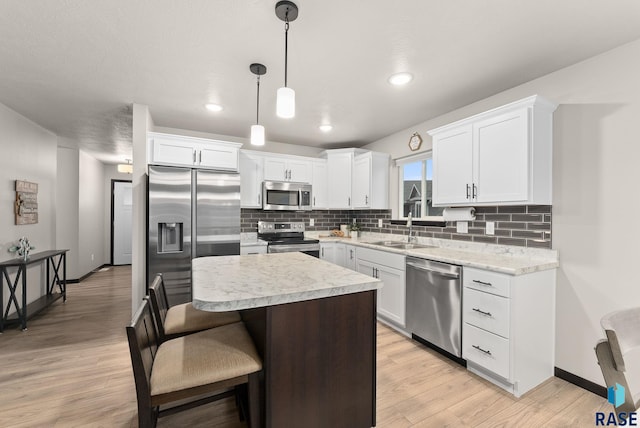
<point x="2" y="300"/>
<point x="24" y="298"/>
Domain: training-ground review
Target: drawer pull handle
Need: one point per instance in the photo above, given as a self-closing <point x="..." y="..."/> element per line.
<point x="482" y="312"/>
<point x="483" y="283"/>
<point x="481" y="350"/>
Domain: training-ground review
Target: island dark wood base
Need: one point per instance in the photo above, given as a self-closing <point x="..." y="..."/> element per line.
<point x="319" y="360"/>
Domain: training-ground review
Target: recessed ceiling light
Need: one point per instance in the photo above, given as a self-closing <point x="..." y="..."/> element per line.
<point x="214" y="107"/>
<point x="400" y="79"/>
<point x="325" y="128"/>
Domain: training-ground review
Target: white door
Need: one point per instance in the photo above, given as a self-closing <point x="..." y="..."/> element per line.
<point x="122" y="219"/>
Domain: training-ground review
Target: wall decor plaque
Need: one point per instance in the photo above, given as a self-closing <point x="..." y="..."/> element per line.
<point x="26" y="204"/>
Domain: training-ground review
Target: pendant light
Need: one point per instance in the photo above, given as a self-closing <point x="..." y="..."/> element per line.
<point x="257" y="130"/>
<point x="286" y="102"/>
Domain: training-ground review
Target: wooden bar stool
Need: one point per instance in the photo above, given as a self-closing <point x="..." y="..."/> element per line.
<point x="178" y="320"/>
<point x="191" y="366"/>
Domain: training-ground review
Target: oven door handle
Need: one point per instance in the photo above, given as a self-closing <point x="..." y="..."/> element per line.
<point x="292" y="248"/>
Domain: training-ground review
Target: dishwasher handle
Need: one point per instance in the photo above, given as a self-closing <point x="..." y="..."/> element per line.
<point x="436" y="271"/>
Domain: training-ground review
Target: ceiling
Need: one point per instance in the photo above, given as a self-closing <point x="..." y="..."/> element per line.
<point x="76" y="66"/>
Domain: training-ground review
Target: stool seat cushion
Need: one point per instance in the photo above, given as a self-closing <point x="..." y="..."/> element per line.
<point x="185" y="318"/>
<point x="202" y="358"/>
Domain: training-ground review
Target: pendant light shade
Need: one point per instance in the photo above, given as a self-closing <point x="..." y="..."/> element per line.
<point x="286" y="11"/>
<point x="257" y="130"/>
<point x="257" y="135"/>
<point x="286" y="103"/>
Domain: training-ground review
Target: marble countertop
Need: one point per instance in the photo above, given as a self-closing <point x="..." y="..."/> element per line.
<point x="498" y="258"/>
<point x="225" y="283"/>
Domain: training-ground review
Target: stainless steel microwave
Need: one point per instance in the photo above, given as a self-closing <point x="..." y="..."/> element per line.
<point x="286" y="196"/>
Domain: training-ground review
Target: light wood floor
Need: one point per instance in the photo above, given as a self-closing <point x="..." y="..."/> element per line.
<point x="71" y="368"/>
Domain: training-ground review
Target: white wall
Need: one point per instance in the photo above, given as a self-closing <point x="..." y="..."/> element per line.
<point x="28" y="153"/>
<point x="90" y="213"/>
<point x="595" y="187"/>
<point x="67" y="207"/>
<point x="142" y="124"/>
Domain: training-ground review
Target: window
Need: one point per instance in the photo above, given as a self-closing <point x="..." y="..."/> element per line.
<point x="416" y="189"/>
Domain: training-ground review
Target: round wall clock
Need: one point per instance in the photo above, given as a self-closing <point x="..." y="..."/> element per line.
<point x="415" y="141"/>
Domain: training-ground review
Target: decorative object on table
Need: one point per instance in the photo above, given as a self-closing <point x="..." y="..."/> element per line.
<point x="26" y="204"/>
<point x="354" y="230"/>
<point x="415" y="141"/>
<point x="23" y="248"/>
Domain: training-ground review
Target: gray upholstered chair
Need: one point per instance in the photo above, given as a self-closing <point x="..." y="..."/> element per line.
<point x="619" y="355"/>
<point x="178" y="320"/>
<point x="200" y="366"/>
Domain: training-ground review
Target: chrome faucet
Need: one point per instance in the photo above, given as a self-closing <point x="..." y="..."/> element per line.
<point x="410" y="226"/>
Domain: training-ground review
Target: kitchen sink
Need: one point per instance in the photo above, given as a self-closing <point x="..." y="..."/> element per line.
<point x="401" y="245"/>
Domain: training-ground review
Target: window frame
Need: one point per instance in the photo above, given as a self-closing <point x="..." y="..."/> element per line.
<point x="400" y="163"/>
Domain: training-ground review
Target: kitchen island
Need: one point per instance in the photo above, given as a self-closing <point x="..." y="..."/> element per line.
<point x="314" y="325"/>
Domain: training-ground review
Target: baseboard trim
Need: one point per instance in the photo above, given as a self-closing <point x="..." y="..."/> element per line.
<point x="83" y="277"/>
<point x="581" y="382"/>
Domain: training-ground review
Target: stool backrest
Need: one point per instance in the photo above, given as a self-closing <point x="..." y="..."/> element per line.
<point x="159" y="303"/>
<point x="618" y="355"/>
<point x="143" y="346"/>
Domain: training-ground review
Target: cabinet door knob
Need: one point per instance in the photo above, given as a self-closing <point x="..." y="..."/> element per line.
<point x="194" y="156"/>
<point x="477" y="281"/>
<point x="200" y="157"/>
<point x="482" y="312"/>
<point x="468" y="190"/>
<point x="474" y="194"/>
<point x="481" y="350"/>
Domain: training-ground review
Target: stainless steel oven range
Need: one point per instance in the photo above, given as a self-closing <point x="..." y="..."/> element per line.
<point x="287" y="237"/>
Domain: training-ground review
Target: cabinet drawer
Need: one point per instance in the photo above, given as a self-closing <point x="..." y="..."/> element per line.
<point x="483" y="280"/>
<point x="379" y="257"/>
<point x="486" y="349"/>
<point x="487" y="311"/>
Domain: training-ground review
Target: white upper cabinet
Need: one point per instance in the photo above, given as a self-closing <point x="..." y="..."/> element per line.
<point x="251" y="176"/>
<point x="502" y="156"/>
<point x="357" y="179"/>
<point x="452" y="172"/>
<point x="339" y="165"/>
<point x="167" y="149"/>
<point x="370" y="180"/>
<point x="319" y="184"/>
<point x="285" y="168"/>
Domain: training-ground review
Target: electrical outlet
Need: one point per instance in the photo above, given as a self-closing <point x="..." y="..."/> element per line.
<point x="462" y="226"/>
<point x="92" y="258"/>
<point x="379" y="222"/>
<point x="490" y="228"/>
<point x="311" y="222"/>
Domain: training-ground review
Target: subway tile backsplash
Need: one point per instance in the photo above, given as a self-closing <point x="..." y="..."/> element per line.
<point x="520" y="225"/>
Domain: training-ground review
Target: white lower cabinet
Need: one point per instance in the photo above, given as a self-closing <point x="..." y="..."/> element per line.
<point x="390" y="268"/>
<point x="508" y="333"/>
<point x="333" y="252"/>
<point x="350" y="256"/>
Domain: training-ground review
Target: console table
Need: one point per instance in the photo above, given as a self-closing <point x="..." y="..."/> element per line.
<point x="56" y="260"/>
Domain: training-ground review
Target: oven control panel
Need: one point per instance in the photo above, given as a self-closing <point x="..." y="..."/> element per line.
<point x="272" y="227"/>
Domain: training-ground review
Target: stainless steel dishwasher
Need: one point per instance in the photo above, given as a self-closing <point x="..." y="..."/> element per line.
<point x="434" y="308"/>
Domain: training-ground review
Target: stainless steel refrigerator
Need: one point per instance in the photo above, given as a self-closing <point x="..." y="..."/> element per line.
<point x="192" y="213"/>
